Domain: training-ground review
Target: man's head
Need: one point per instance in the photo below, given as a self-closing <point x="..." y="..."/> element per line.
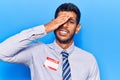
<point x="64" y="34"/>
<point x="69" y="7"/>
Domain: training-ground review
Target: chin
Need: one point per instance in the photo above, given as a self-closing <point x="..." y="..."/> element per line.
<point x="64" y="41"/>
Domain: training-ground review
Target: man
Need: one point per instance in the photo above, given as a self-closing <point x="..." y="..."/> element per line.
<point x="60" y="60"/>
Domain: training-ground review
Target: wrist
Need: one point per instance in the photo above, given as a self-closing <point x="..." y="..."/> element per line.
<point x="47" y="28"/>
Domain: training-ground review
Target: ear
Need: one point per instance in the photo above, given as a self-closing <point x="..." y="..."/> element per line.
<point x="77" y="28"/>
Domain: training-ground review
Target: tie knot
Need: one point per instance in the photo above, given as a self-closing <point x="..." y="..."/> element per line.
<point x="64" y="54"/>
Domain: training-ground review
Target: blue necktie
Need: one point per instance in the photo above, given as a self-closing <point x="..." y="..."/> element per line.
<point x="66" y="67"/>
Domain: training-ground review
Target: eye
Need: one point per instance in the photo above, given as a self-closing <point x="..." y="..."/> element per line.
<point x="71" y="21"/>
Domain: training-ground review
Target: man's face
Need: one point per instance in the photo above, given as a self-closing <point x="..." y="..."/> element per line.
<point x="65" y="33"/>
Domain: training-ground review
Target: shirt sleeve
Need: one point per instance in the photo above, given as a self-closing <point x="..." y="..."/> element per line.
<point x="16" y="48"/>
<point x="94" y="71"/>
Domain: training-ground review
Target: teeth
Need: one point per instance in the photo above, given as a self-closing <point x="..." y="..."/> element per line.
<point x="63" y="33"/>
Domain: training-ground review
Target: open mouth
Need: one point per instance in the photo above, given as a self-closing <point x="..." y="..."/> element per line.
<point x="63" y="32"/>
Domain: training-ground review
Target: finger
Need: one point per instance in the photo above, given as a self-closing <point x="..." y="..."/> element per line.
<point x="62" y="18"/>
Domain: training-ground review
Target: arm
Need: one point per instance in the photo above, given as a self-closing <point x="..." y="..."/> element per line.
<point x="13" y="49"/>
<point x="10" y="48"/>
<point x="94" y="72"/>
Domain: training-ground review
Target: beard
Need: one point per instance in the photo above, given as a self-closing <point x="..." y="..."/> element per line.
<point x="65" y="41"/>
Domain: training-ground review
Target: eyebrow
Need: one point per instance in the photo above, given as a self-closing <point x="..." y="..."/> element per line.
<point x="71" y="18"/>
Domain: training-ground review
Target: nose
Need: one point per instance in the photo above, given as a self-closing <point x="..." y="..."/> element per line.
<point x="65" y="25"/>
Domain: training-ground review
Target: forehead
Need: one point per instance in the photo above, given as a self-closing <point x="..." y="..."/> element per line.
<point x="70" y="13"/>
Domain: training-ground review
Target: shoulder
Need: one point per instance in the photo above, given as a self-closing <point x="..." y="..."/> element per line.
<point x="37" y="49"/>
<point x="35" y="46"/>
<point x="85" y="55"/>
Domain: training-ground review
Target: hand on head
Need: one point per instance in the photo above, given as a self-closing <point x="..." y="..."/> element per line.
<point x="54" y="24"/>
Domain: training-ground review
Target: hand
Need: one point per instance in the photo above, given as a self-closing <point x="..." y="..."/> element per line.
<point x="54" y="24"/>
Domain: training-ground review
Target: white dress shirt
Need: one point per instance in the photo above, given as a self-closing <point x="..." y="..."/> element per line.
<point x="45" y="60"/>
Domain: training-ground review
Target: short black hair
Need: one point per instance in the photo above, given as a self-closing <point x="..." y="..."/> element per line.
<point x="69" y="7"/>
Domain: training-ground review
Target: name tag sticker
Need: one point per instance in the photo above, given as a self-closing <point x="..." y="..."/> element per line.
<point x="51" y="63"/>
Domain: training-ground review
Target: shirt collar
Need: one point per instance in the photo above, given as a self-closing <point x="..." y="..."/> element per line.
<point x="58" y="49"/>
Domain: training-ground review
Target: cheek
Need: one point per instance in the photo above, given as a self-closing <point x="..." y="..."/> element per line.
<point x="72" y="30"/>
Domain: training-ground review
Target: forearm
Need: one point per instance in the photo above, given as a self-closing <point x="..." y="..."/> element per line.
<point x="14" y="44"/>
